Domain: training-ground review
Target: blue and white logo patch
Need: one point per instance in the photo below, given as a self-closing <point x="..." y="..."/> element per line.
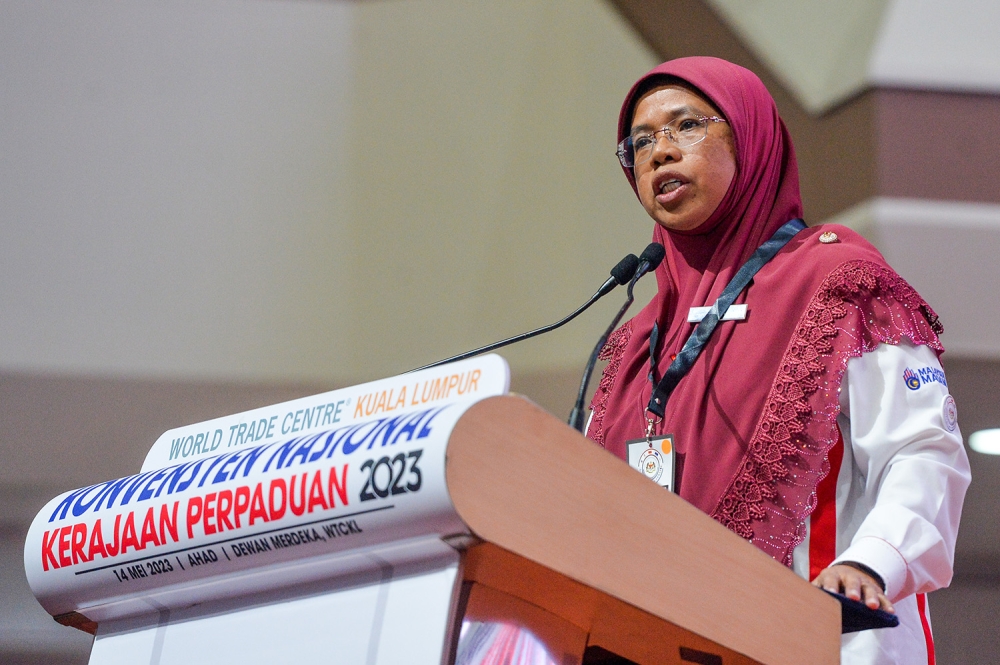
<point x="922" y="376"/>
<point x="949" y="411"/>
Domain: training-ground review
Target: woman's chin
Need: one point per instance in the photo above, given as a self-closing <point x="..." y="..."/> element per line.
<point x="681" y="223"/>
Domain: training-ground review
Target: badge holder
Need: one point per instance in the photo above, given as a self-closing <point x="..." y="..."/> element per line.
<point x="653" y="457"/>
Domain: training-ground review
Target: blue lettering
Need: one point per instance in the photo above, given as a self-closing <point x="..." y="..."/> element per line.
<point x="349" y="445"/>
<point x="111" y="492"/>
<point x="214" y="463"/>
<point x="68" y="500"/>
<point x="303" y="449"/>
<point x="147" y="493"/>
<point x="329" y="439"/>
<point x="249" y="457"/>
<point x="281" y="452"/>
<point x="195" y="467"/>
<point x="134" y="487"/>
<point x="221" y="476"/>
<point x="386" y="429"/>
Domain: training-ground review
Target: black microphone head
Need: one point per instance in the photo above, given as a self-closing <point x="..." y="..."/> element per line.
<point x="653" y="254"/>
<point x="625" y="269"/>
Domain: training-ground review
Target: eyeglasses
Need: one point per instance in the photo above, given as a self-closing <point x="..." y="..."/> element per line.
<point x="682" y="132"/>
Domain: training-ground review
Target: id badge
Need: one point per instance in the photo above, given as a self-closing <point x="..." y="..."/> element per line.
<point x="653" y="458"/>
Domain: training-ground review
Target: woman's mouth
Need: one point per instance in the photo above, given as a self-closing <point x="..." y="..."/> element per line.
<point x="670" y="189"/>
<point x="669" y="186"/>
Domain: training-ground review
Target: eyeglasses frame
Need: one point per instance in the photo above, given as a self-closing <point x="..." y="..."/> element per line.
<point x="669" y="134"/>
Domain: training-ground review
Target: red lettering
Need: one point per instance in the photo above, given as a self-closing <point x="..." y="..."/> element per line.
<point x="48" y="540"/>
<point x="338" y="486"/>
<point x="149" y="529"/>
<point x="209" y="514"/>
<point x="128" y="534"/>
<point x="299" y="509"/>
<point x="168" y="523"/>
<point x="316" y="497"/>
<point x="96" y="540"/>
<point x="277" y="511"/>
<point x="79" y="540"/>
<point x="193" y="514"/>
<point x="64" y="559"/>
<point x="241" y="504"/>
<point x="225" y="505"/>
<point x="109" y="549"/>
<point x="257" y="509"/>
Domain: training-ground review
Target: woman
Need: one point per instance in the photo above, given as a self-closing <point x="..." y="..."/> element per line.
<point x="820" y="427"/>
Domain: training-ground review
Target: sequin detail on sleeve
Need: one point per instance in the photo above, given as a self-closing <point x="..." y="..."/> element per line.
<point x="857" y="307"/>
<point x="613" y="352"/>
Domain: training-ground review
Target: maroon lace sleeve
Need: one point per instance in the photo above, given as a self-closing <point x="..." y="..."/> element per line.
<point x="857" y="307"/>
<point x="613" y="352"/>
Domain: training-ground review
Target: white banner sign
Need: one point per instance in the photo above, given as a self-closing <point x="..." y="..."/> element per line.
<point x="329" y="474"/>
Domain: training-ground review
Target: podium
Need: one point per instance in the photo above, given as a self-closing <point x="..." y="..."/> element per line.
<point x="471" y="529"/>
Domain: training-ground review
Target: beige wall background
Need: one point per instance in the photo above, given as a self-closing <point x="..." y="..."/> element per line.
<point x="486" y="198"/>
<point x="306" y="191"/>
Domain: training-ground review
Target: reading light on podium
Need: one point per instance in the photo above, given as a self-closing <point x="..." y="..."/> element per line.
<point x="986" y="441"/>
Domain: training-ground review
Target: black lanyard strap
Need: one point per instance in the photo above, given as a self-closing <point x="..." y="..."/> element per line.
<point x="692" y="348"/>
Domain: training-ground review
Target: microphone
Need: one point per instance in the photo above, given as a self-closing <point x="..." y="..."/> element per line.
<point x="621" y="274"/>
<point x="650" y="258"/>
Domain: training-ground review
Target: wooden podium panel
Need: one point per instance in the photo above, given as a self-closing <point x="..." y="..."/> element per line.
<point x="475" y="505"/>
<point x="572" y="530"/>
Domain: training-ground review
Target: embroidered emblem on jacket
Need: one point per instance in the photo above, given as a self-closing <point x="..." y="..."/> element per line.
<point x="950" y="413"/>
<point x="923" y="376"/>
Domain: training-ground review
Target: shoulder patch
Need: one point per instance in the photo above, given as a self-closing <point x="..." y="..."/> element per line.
<point x="949" y="411"/>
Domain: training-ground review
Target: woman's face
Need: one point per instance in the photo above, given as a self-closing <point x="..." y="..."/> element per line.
<point x="680" y="188"/>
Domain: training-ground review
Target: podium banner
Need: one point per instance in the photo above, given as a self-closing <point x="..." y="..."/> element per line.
<point x="345" y="471"/>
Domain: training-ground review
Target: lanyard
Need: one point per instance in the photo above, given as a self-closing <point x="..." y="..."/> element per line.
<point x="700" y="336"/>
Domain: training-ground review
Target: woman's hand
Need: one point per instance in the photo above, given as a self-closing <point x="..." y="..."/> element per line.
<point x="854" y="584"/>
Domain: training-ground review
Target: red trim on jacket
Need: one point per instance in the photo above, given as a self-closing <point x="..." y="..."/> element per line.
<point x="823" y="521"/>
<point x="925" y="624"/>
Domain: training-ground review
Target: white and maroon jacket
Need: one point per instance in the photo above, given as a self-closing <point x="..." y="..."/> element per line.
<point x="893" y="498"/>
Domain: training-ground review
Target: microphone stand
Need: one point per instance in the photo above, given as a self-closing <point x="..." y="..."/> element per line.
<point x="624" y="270"/>
<point x="576" y="415"/>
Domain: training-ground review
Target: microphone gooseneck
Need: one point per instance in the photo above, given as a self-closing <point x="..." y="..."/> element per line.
<point x="650" y="258"/>
<point x="623" y="273"/>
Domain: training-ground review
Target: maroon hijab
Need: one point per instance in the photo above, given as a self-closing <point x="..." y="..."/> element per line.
<point x="755" y="417"/>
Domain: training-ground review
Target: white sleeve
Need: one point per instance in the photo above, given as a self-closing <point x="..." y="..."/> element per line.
<point x="909" y="458"/>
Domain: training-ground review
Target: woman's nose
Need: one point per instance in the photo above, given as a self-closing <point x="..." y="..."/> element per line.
<point x="664" y="150"/>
